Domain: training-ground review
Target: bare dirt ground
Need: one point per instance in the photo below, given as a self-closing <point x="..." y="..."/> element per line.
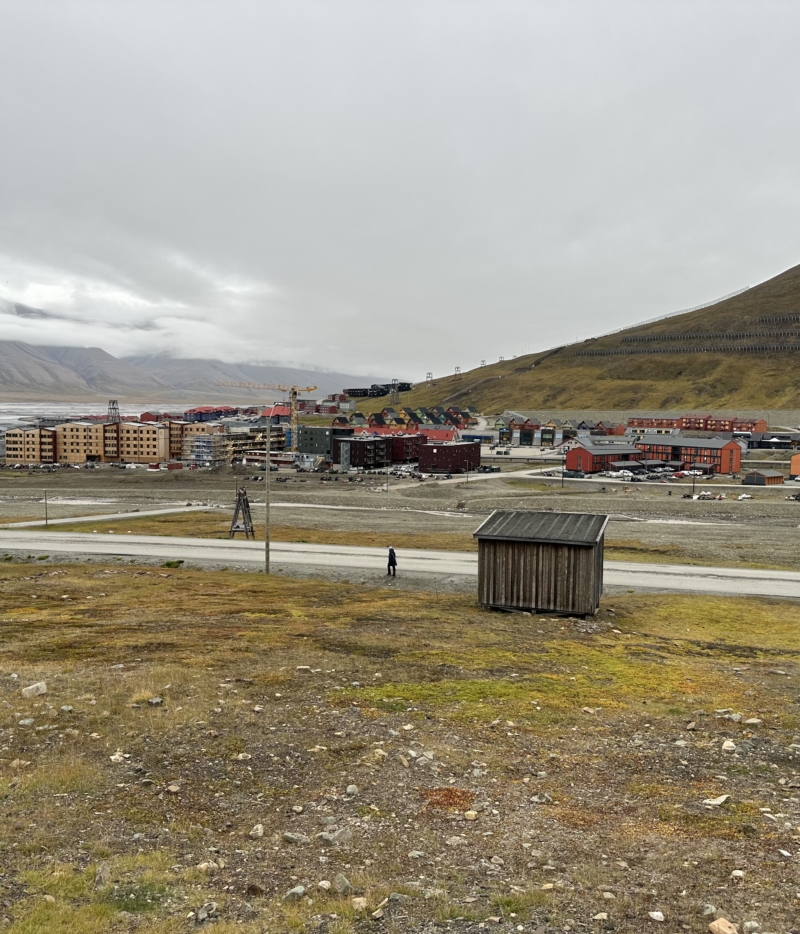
<point x="647" y="524"/>
<point x="213" y="749"/>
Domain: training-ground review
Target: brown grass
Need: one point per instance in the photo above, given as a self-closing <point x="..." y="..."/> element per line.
<point x="216" y="525"/>
<point x="503" y="696"/>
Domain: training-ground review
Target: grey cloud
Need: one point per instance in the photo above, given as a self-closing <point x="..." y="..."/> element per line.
<point x="396" y="186"/>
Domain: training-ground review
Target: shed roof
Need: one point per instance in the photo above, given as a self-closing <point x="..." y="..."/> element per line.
<point x="765" y="473"/>
<point x="564" y="528"/>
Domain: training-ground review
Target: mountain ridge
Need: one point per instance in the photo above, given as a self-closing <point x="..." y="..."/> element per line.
<point x="33" y="372"/>
<point x="742" y="351"/>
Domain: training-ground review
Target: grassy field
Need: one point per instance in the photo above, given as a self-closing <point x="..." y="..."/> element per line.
<point x="508" y="767"/>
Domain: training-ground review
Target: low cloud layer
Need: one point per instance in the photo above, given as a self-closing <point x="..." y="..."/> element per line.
<point x="394" y="186"/>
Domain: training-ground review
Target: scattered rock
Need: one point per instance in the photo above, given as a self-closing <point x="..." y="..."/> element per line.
<point x="359" y="904"/>
<point x="753" y="721"/>
<point x="155" y="701"/>
<point x="416" y="854"/>
<point x="34" y="690"/>
<point x="351" y="791"/>
<point x="254" y="890"/>
<point x="737" y="875"/>
<point x="750" y="927"/>
<point x="342" y="884"/>
<point x="289" y="837"/>
<point x="173" y="789"/>
<point x="655" y="915"/>
<point x="28" y="721"/>
<point x="102" y="876"/>
<point x="722" y="926"/>
<point x="600" y="916"/>
<point x="66" y="708"/>
<point x="295" y="894"/>
<point x="343" y="835"/>
<point x="729" y="746"/>
<point x="208" y="866"/>
<point x="470" y="815"/>
<point x="324" y="885"/>
<point x="717" y="802"/>
<point x="298" y="809"/>
<point x="206" y="912"/>
<point x="257" y="832"/>
<point x="303" y="669"/>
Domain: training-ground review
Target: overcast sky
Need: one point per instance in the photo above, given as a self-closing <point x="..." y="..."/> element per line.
<point x="389" y="187"/>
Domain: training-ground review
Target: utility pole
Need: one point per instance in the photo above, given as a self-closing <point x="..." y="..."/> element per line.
<point x="45" y="507"/>
<point x="267" y="481"/>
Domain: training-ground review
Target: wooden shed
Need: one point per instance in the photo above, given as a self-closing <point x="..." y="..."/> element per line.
<point x="541" y="561"/>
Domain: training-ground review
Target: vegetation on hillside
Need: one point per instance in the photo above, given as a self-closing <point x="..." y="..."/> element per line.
<point x="729" y="379"/>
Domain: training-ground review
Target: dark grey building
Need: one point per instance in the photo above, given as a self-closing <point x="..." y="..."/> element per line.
<point x="317" y="440"/>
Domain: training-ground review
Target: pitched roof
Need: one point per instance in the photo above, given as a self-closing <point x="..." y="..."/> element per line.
<point x="566" y="528"/>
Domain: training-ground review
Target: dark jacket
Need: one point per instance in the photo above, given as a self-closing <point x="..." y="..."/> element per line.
<point x="392" y="558"/>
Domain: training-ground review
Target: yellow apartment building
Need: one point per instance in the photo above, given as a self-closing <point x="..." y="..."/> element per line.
<point x="89" y="442"/>
<point x="29" y="446"/>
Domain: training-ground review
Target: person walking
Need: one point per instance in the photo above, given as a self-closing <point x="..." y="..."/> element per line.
<point x="392" y="568"/>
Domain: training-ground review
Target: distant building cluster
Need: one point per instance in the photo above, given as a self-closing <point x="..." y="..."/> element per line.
<point x="201" y="437"/>
<point x="436" y="450"/>
<point x="413" y="419"/>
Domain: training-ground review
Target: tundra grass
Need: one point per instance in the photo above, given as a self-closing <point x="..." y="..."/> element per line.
<point x="176" y="718"/>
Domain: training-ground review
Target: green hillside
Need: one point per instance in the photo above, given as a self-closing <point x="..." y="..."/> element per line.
<point x="723" y="356"/>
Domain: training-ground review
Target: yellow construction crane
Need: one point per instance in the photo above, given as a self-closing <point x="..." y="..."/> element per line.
<point x="292" y="390"/>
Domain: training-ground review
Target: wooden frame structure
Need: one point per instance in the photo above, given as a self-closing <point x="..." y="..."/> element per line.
<point x="541" y="561"/>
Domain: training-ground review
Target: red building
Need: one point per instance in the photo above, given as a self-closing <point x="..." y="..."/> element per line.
<point x="450" y="457"/>
<point x="405" y="448"/>
<point x="592" y="458"/>
<point x="720" y="455"/>
<point x="716" y="454"/>
<point x="700" y="423"/>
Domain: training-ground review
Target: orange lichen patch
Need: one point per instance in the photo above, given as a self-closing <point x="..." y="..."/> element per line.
<point x="448" y="799"/>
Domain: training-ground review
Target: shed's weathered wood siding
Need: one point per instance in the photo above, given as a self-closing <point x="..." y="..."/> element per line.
<point x="540" y="576"/>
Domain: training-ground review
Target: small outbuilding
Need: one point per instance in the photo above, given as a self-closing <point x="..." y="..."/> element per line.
<point x="541" y="561"/>
<point x="763" y="478"/>
<point x="794" y="466"/>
